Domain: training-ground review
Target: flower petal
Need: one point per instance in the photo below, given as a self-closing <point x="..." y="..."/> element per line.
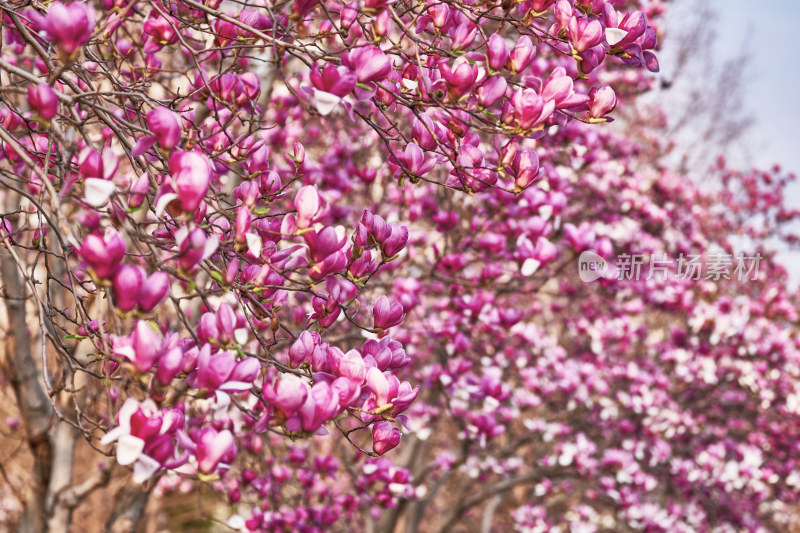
<point x="325" y="102"/>
<point x="98" y="191"/>
<point x="144" y="469"/>
<point x="129" y="448"/>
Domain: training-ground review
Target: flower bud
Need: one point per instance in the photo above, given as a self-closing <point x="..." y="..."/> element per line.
<point x="42" y="98"/>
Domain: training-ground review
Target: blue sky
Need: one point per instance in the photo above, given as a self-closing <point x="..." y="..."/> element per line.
<point x="769" y="30"/>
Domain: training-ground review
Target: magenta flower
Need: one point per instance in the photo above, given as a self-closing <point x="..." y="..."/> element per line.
<point x="195" y="248"/>
<point x="492" y="90"/>
<point x="331" y="84"/>
<point x="376" y="382"/>
<point x="395" y="242"/>
<point x="580" y="237"/>
<point x="103" y="254"/>
<point x="385" y="315"/>
<point x="415" y="161"/>
<point x="127" y="283"/>
<point x="521" y="55"/>
<point x="460" y="77"/>
<point x="255" y="19"/>
<point x="404" y="396"/>
<point x="634" y="25"/>
<point x="425" y="132"/>
<point x="160" y="32"/>
<point x="351" y="367"/>
<point x="212" y="448"/>
<point x="463" y="35"/>
<point x="601" y="102"/>
<point x="324" y="243"/>
<point x="369" y="63"/>
<point x="42" y="99"/>
<point x="309" y="206"/>
<point x="530" y="109"/>
<point x="145" y="438"/>
<point x="169" y="365"/>
<point x="321" y="404"/>
<point x="299" y="153"/>
<point x="213" y="370"/>
<point x="585" y="33"/>
<point x="384" y="437"/>
<point x="558" y="87"/>
<point x="496" y="52"/>
<point x="166" y="127"/>
<point x="143" y="347"/>
<point x="544" y="251"/>
<point x="303" y="348"/>
<point x="218" y="327"/>
<point x="525" y="168"/>
<point x="288" y="393"/>
<point x="191" y="175"/>
<point x="154" y="290"/>
<point x="70" y="25"/>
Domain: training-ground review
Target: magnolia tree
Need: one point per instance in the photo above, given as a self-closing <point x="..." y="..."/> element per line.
<point x="380" y="266"/>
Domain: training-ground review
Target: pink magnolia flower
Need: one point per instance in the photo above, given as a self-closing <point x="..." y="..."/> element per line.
<point x="376" y="382"/>
<point x="601" y="102"/>
<point x="153" y="291"/>
<point x="403" y="397"/>
<point x="544" y="251"/>
<point x="143" y="347"/>
<point x="70" y="25"/>
<point x="460" y="77"/>
<point x="309" y="206"/>
<point x="384" y="437"/>
<point x="584" y="33"/>
<point x="321" y="404"/>
<point x="463" y="35"/>
<point x="195" y="247"/>
<point x="127" y="283"/>
<point x="160" y="31"/>
<point x="103" y="254"/>
<point x="331" y="84"/>
<point x="558" y="88"/>
<point x="414" y="160"/>
<point x="288" y="393"/>
<point x="42" y="98"/>
<point x="580" y="237"/>
<point x="144" y="436"/>
<point x="492" y="90"/>
<point x="166" y="127"/>
<point x="219" y="327"/>
<point x="191" y="175"/>
<point x="326" y="310"/>
<point x="324" y="243"/>
<point x="521" y="55"/>
<point x="387" y="315"/>
<point x="496" y="52"/>
<point x="369" y="63"/>
<point x="303" y="348"/>
<point x="213" y="447"/>
<point x="220" y="371"/>
<point x="525" y="168"/>
<point x="425" y="132"/>
<point x="299" y="153"/>
<point x="350" y="366"/>
<point x="395" y="242"/>
<point x="530" y="109"/>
